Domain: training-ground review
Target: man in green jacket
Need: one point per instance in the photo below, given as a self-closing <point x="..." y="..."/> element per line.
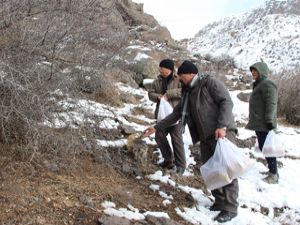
<point x="168" y="87"/>
<point x="206" y="107"/>
<point x="263" y="112"/>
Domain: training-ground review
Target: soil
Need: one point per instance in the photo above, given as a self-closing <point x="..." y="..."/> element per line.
<point x="32" y="193"/>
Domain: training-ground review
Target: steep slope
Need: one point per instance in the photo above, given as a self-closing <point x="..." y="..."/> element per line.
<point x="271" y="33"/>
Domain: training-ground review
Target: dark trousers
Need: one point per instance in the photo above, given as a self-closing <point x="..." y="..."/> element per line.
<point x="272" y="161"/>
<point x="226" y="196"/>
<point x="177" y="143"/>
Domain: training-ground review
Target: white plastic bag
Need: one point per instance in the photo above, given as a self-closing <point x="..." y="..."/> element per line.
<point x="164" y="109"/>
<point x="227" y="163"/>
<point x="272" y="146"/>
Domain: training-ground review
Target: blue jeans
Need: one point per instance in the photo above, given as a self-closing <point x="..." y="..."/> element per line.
<point x="272" y="161"/>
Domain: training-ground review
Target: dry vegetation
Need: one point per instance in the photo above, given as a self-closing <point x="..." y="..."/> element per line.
<point x="289" y="95"/>
<point x="54" y="45"/>
<point x="51" y="51"/>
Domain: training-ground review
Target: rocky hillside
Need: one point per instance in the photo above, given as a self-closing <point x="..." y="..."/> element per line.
<point x="75" y="48"/>
<point x="61" y="62"/>
<point x="271" y="33"/>
<point x="69" y="73"/>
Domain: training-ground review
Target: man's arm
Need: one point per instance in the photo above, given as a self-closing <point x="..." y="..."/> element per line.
<point x="153" y="93"/>
<point x="170" y="119"/>
<point x="166" y="122"/>
<point x="221" y="96"/>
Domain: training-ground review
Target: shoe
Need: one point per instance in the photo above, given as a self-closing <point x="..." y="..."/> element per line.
<point x="166" y="164"/>
<point x="214" y="207"/>
<point x="180" y="170"/>
<point x="225" y="216"/>
<point x="271" y="178"/>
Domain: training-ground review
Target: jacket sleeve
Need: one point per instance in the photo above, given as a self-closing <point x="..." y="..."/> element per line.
<point x="269" y="94"/>
<point x="222" y="98"/>
<point x="153" y="93"/>
<point x="170" y="119"/>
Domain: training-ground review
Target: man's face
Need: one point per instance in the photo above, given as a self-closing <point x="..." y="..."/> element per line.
<point x="255" y="74"/>
<point x="165" y="72"/>
<point x="186" y="79"/>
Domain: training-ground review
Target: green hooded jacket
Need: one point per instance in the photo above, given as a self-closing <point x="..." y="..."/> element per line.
<point x="263" y="100"/>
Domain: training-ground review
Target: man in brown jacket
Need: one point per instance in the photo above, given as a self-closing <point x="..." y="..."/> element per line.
<point x="206" y="107"/>
<point x="166" y="86"/>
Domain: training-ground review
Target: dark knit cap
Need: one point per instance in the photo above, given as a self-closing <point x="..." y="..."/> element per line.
<point x="187" y="67"/>
<point x="167" y="63"/>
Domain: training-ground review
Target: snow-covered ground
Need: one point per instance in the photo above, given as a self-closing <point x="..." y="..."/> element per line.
<point x="254" y="194"/>
<point x="248" y="38"/>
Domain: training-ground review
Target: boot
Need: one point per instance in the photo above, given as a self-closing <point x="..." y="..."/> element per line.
<point x="180" y="170"/>
<point x="271" y="178"/>
<point x="166" y="165"/>
<point x="225" y="216"/>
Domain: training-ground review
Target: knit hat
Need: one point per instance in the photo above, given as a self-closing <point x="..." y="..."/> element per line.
<point x="187" y="67"/>
<point x="167" y="63"/>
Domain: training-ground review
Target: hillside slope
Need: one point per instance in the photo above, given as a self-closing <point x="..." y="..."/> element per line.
<point x="271" y="33"/>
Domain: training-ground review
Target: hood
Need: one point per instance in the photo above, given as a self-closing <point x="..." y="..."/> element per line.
<point x="261" y="67"/>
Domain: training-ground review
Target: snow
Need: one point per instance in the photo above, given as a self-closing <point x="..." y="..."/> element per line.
<point x="141" y="56"/>
<point x="248" y="38"/>
<point x="253" y="192"/>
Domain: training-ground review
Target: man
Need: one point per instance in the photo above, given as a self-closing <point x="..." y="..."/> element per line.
<point x="169" y="88"/>
<point x="263" y="112"/>
<point x="206" y="107"/>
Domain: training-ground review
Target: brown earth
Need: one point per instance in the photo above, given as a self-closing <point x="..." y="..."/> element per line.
<point x="30" y="193"/>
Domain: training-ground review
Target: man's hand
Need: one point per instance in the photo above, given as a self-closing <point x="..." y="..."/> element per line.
<point x="159" y="97"/>
<point x="165" y="96"/>
<point x="149" y="131"/>
<point x="220" y="133"/>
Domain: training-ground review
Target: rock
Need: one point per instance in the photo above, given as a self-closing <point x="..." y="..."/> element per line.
<point x="246" y="143"/>
<point x="125" y="129"/>
<point x="244" y="96"/>
<point x="160" y="221"/>
<point x="246" y="79"/>
<point x="113" y="220"/>
<point x="159" y="34"/>
<point x="150" y="69"/>
<point x="147" y="83"/>
<point x="127" y="169"/>
<point x="86" y="200"/>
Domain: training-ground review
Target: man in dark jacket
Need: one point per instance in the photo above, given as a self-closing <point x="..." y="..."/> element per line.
<point x="263" y="112"/>
<point x="206" y="107"/>
<point x="169" y="88"/>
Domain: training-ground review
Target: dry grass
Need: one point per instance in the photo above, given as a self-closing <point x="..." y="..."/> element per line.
<point x="288" y="83"/>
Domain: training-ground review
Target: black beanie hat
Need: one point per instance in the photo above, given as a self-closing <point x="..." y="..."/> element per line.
<point x="167" y="63"/>
<point x="187" y="67"/>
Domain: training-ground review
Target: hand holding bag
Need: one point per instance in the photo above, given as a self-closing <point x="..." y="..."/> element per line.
<point x="272" y="146"/>
<point x="227" y="163"/>
<point x="164" y="109"/>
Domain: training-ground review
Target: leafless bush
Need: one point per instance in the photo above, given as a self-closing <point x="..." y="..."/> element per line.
<point x="42" y="43"/>
<point x="289" y="95"/>
<point x="224" y="62"/>
<point x="20" y="106"/>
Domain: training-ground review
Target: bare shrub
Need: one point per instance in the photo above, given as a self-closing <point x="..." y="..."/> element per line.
<point x="224" y="62"/>
<point x="288" y="83"/>
<point x="20" y="107"/>
<point x="42" y="43"/>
